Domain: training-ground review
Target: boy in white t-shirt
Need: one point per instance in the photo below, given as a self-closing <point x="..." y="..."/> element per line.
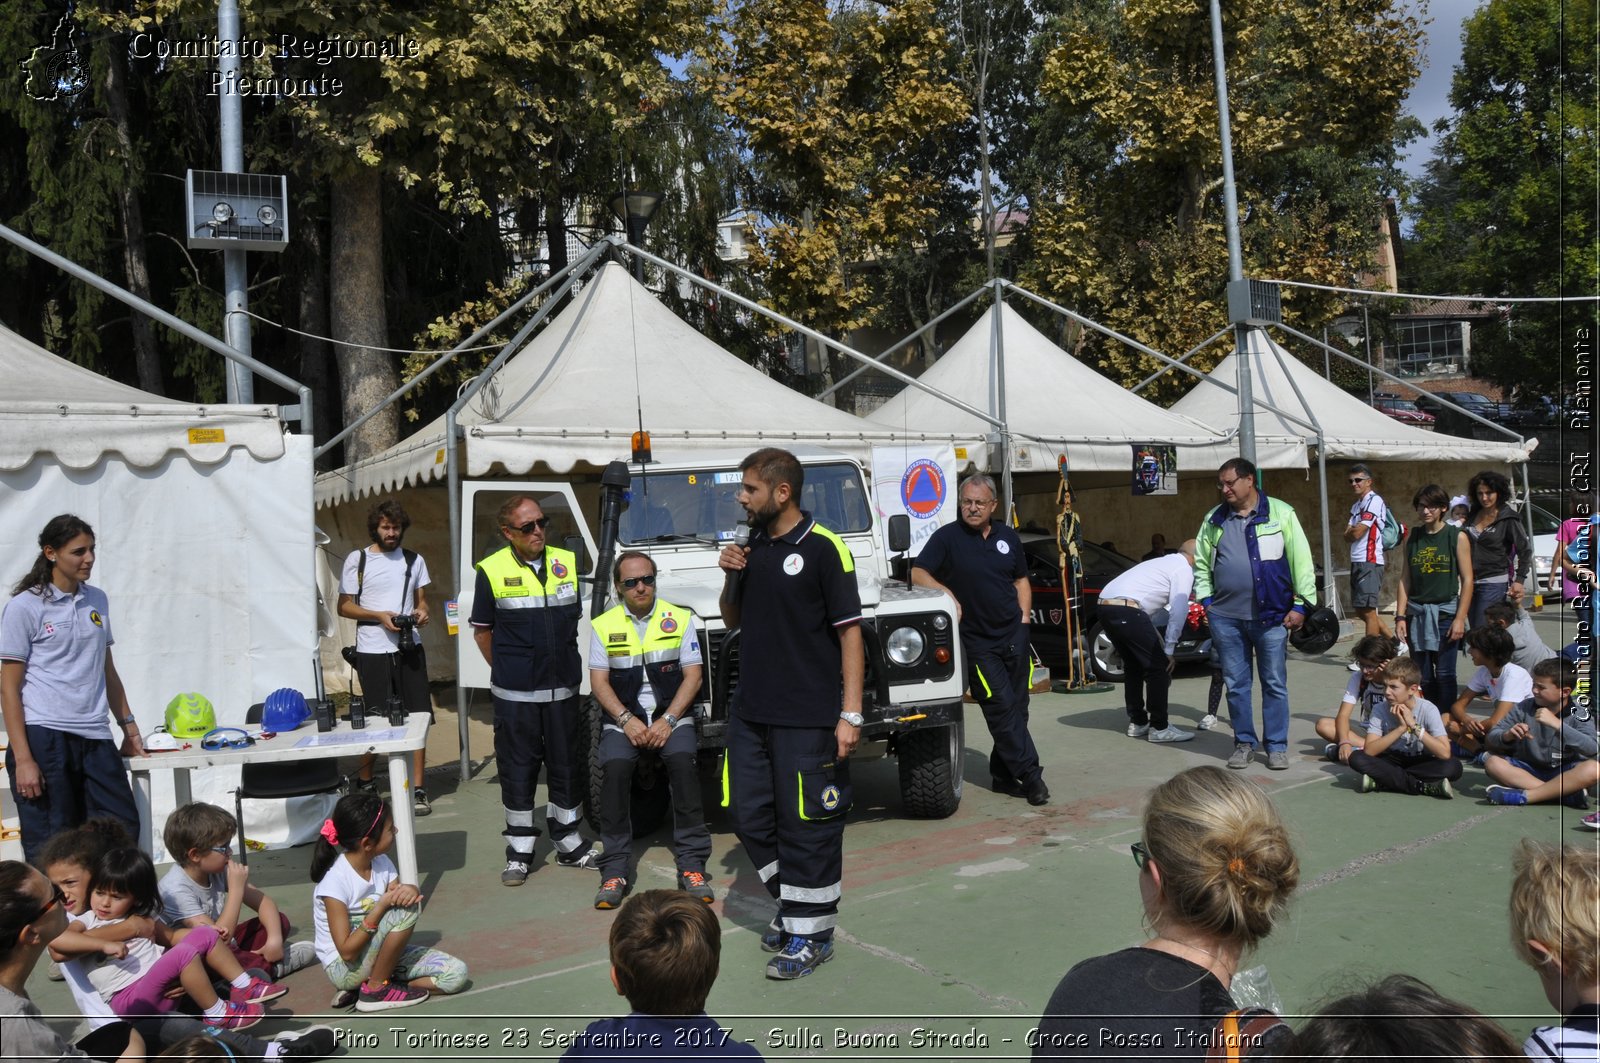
<point x="1407" y="750"/>
<point x="1504" y="684"/>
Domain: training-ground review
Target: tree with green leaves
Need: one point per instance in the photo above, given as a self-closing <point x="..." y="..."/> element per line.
<point x="1507" y="205"/>
<point x="1130" y="231"/>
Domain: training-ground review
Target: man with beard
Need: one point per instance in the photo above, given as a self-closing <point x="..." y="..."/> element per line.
<point x="381" y="589"/>
<point x="796" y="713"/>
<point x="525" y="613"/>
<point x="978" y="561"/>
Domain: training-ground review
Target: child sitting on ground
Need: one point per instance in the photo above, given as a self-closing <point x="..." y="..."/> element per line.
<point x="1544" y="749"/>
<point x="665" y="949"/>
<point x="1347" y="728"/>
<point x="207" y="887"/>
<point x="1407" y="750"/>
<point x="140" y="958"/>
<point x="1555" y="900"/>
<point x="1503" y="683"/>
<point x="1529" y="648"/>
<point x="364" y="915"/>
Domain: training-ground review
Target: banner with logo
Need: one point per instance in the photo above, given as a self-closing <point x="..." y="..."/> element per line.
<point x="919" y="481"/>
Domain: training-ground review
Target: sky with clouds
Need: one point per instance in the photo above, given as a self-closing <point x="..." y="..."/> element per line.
<point x="1429" y="99"/>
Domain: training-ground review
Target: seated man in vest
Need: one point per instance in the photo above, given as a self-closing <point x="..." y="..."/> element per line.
<point x="644" y="668"/>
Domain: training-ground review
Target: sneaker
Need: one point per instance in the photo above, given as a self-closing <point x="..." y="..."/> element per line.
<point x="388" y="995"/>
<point x="1369" y="785"/>
<point x="314" y="1042"/>
<point x="575" y="858"/>
<point x="234" y="1016"/>
<point x="1169" y="734"/>
<point x="342" y="998"/>
<point x="1038" y="792"/>
<point x="257" y="992"/>
<point x="1138" y="730"/>
<point x="1505" y="795"/>
<point x="1440" y="789"/>
<point x="1243" y="753"/>
<point x="774" y="937"/>
<point x="1354" y="667"/>
<point x="54" y="972"/>
<point x="800" y="956"/>
<point x="420" y="805"/>
<point x="694" y="884"/>
<point x="1208" y="721"/>
<point x="297" y="956"/>
<point x="1330" y="751"/>
<point x="1591" y="821"/>
<point x="364" y="786"/>
<point x="515" y="874"/>
<point x="1401" y="651"/>
<point x="610" y="893"/>
<point x="1478" y="760"/>
<point x="1278" y="760"/>
<point x="1578" y="799"/>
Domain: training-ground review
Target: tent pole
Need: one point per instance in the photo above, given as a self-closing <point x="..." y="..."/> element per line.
<point x="997" y="353"/>
<point x="1182" y="359"/>
<point x="1330" y="588"/>
<point x="901" y="342"/>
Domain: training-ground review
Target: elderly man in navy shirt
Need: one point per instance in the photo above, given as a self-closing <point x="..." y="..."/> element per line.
<point x="978" y="561"/>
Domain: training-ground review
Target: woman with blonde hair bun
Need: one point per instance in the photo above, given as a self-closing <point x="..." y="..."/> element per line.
<point x="1215" y="873"/>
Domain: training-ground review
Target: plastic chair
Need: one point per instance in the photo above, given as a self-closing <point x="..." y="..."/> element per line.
<point x="281" y="779"/>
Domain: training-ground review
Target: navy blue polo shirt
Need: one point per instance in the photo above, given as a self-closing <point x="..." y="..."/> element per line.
<point x="798" y="591"/>
<point x="982" y="573"/>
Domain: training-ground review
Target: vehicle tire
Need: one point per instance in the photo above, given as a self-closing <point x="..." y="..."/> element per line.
<point x="930" y="770"/>
<point x="589" y="758"/>
<point x="1103" y="656"/>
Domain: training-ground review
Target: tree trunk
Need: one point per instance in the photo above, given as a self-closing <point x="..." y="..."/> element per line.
<point x="135" y="262"/>
<point x="312" y="312"/>
<point x="555" y="221"/>
<point x="355" y="288"/>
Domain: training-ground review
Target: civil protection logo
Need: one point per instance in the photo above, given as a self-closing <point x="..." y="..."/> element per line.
<point x="830" y="798"/>
<point x="668" y="625"/>
<point x="557" y="569"/>
<point x="923" y="488"/>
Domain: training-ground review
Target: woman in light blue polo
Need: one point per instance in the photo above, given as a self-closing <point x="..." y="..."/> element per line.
<point x="63" y="702"/>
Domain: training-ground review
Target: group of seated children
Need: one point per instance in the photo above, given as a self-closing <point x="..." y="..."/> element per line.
<point x="1537" y="744"/>
<point x="139" y="949"/>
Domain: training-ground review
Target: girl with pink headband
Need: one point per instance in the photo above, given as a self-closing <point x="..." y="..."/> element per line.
<point x="364" y="915"/>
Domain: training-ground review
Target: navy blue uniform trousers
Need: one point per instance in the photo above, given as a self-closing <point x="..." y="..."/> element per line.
<point x="529" y="735"/>
<point x="788" y="792"/>
<point x="998" y="677"/>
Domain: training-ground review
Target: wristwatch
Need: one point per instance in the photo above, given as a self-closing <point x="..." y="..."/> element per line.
<point x="854" y="719"/>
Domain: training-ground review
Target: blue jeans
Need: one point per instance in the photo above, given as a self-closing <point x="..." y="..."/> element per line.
<point x="1237" y="641"/>
<point x="83" y="778"/>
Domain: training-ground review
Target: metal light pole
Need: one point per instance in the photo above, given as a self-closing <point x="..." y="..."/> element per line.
<point x="1230" y="198"/>
<point x="635" y="209"/>
<point x="235" y="273"/>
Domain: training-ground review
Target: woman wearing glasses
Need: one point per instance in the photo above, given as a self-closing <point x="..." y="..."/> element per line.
<point x="1215" y="871"/>
<point x="64" y="706"/>
<point x="32" y="916"/>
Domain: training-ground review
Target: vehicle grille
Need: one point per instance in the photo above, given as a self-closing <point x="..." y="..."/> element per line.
<point x="714" y="645"/>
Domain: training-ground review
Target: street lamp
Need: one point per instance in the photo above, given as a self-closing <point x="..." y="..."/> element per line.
<point x="635" y="208"/>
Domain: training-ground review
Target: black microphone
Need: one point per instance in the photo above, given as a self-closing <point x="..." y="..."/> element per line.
<point x="741" y="539"/>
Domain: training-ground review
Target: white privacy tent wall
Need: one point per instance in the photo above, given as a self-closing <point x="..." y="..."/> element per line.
<point x="204" y="526"/>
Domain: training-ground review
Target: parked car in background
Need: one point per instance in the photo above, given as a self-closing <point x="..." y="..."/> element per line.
<point x="1047" y="625"/>
<point x="1403" y="410"/>
<point x="1545" y="526"/>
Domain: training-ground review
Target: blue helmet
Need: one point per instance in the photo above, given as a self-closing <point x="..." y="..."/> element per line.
<point x="284" y="710"/>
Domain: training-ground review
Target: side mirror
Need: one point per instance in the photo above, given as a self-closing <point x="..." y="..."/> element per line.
<point x="580" y="552"/>
<point x="899" y="533"/>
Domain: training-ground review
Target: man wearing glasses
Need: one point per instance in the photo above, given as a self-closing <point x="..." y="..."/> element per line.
<point x="1253" y="571"/>
<point x="1365" y="536"/>
<point x="978" y="561"/>
<point x="525" y="613"/>
<point x="645" y="670"/>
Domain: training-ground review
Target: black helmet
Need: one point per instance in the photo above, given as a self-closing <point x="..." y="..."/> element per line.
<point x="1318" y="633"/>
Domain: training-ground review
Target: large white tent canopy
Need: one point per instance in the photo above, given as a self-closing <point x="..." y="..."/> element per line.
<point x="205" y="534"/>
<point x="1350" y="428"/>
<point x="1053" y="400"/>
<point x="572" y="396"/>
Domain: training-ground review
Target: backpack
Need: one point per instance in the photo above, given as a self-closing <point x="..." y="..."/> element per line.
<point x="1393" y="529"/>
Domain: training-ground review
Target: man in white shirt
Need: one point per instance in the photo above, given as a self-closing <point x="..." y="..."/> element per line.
<point x="381" y="590"/>
<point x="1365" y="536"/>
<point x="1127" y="609"/>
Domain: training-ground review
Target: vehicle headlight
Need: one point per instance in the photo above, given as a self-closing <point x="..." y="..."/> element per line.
<point x="905" y="646"/>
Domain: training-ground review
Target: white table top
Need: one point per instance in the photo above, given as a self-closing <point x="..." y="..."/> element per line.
<point x="305" y="742"/>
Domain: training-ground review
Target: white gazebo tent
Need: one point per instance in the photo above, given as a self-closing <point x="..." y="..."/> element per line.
<point x="203" y="516"/>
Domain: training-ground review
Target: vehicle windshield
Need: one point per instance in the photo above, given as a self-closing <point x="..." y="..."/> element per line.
<point x="703" y="503"/>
